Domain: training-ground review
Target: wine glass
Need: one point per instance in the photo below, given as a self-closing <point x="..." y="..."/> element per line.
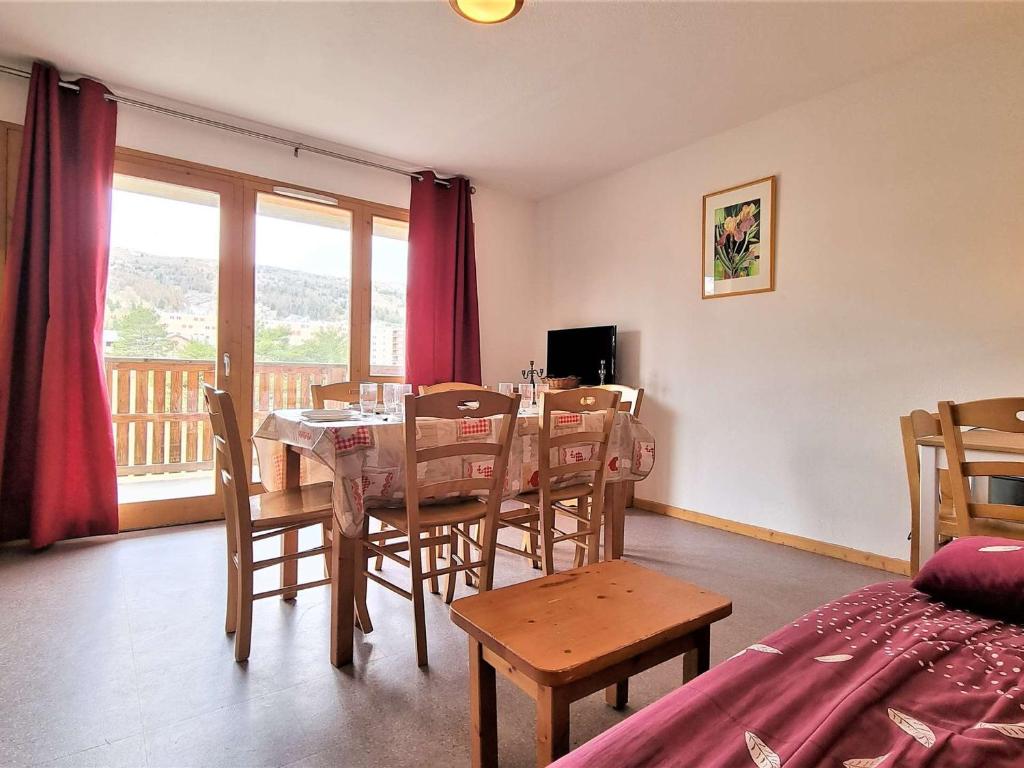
<point x="506" y="389"/>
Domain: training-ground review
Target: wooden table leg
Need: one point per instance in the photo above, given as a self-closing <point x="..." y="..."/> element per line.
<point x="552" y="725"/>
<point x="616" y="696"/>
<point x="290" y="540"/>
<point x="343" y="581"/>
<point x="614" y="519"/>
<point x="483" y="709"/>
<point x="698" y="661"/>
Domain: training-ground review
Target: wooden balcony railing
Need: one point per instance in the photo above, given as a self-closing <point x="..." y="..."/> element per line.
<point x="159" y="414"/>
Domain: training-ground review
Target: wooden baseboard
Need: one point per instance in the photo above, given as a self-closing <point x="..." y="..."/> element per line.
<point x="890" y="564"/>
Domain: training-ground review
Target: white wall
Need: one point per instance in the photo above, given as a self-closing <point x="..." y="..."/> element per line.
<point x="505" y="226"/>
<point x="900" y="274"/>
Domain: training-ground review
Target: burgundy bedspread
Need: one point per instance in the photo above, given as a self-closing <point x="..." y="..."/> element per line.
<point x="882" y="678"/>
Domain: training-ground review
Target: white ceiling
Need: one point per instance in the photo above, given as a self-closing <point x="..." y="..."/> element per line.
<point x="564" y="92"/>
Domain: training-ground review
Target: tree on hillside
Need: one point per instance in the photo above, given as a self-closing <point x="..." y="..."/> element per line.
<point x="324" y="346"/>
<point x="272" y="343"/>
<point x="140" y="334"/>
<point x="198" y="349"/>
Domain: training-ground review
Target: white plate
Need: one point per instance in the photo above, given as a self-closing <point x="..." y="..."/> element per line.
<point x="329" y="414"/>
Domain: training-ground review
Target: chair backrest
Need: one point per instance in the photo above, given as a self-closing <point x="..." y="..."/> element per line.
<point x="493" y="441"/>
<point x="227" y="443"/>
<point x="448" y="386"/>
<point x="630" y="399"/>
<point x="915" y="426"/>
<point x="339" y="391"/>
<point x="1002" y="415"/>
<point x="593" y="443"/>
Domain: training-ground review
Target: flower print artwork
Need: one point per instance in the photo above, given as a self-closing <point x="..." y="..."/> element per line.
<point x="739" y="239"/>
<point x="737" y="248"/>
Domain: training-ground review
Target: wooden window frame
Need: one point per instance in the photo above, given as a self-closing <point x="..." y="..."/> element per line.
<point x="363" y="212"/>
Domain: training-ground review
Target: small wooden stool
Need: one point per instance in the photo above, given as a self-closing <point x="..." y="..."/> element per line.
<point x="565" y="636"/>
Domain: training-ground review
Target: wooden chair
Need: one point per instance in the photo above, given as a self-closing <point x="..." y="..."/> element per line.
<point x="630" y="399"/>
<point x="981" y="518"/>
<point x="422" y="527"/>
<point x="250" y="519"/>
<point x="917" y="425"/>
<point x="339" y="391"/>
<point x="537" y="518"/>
<point x="448" y="386"/>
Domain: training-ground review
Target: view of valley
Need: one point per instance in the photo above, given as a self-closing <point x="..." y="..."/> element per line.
<point x="165" y="306"/>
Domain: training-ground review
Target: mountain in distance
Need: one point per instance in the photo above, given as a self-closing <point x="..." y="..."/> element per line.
<point x="185" y="285"/>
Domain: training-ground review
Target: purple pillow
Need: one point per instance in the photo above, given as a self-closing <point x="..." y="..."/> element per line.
<point x="983" y="573"/>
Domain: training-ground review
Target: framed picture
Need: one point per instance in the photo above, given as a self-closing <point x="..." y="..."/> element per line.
<point x="739" y="240"/>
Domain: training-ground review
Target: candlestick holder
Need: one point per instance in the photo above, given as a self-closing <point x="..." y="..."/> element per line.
<point x="529" y="374"/>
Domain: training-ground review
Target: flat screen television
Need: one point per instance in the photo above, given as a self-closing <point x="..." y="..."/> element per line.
<point x="579" y="352"/>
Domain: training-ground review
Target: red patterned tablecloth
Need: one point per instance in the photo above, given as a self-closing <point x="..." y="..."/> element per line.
<point x="363" y="456"/>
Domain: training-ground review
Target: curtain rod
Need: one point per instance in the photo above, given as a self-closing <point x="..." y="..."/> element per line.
<point x="296" y="146"/>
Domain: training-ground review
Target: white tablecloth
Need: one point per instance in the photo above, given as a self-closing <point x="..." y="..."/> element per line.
<point x="363" y="456"/>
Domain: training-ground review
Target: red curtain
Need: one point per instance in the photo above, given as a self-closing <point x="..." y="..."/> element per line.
<point x="59" y="477"/>
<point x="442" y="318"/>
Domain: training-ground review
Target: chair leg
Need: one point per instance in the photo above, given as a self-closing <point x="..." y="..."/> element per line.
<point x="419" y="619"/>
<point x="362" y="564"/>
<point x="231" y="614"/>
<point x="531" y="543"/>
<point x="473" y="531"/>
<point x="243" y="619"/>
<point x="581" y="543"/>
<point x="432" y="562"/>
<point x="594" y="539"/>
<point x="379" y="562"/>
<point x="547" y="535"/>
<point x="325" y="540"/>
<point x="290" y="568"/>
<point x="488" y="539"/>
<point x="451" y="577"/>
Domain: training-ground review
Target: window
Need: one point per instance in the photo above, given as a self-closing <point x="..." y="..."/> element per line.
<point x="389" y="254"/>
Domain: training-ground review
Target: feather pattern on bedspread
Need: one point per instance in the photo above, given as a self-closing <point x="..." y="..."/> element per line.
<point x="885" y="676"/>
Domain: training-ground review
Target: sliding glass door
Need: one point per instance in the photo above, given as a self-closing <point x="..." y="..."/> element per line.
<point x="219" y="278"/>
<point x="165" y="335"/>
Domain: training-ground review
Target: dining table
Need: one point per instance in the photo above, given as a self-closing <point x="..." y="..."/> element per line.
<point x="363" y="456"/>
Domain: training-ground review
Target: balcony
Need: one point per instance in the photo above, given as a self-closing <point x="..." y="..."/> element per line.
<point x="162" y="436"/>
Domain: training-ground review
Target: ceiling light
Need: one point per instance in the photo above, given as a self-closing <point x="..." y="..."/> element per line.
<point x="486" y="11"/>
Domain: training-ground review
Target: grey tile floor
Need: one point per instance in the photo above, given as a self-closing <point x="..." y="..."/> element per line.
<point x="113" y="653"/>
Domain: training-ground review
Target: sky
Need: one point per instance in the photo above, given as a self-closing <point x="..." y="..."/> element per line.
<point x="167" y="227"/>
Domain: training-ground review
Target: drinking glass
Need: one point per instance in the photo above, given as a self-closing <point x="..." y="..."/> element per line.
<point x="367" y="398"/>
<point x="526" y="392"/>
<point x="506" y="389"/>
<point x="392" y="398"/>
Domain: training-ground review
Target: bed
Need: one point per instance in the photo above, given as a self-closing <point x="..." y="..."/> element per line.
<point x="883" y="677"/>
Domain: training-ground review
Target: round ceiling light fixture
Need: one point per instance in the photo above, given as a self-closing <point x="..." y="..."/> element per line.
<point x="486" y="11"/>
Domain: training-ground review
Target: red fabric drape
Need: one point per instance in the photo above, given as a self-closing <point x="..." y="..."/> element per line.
<point x="442" y="318"/>
<point x="58" y="476"/>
